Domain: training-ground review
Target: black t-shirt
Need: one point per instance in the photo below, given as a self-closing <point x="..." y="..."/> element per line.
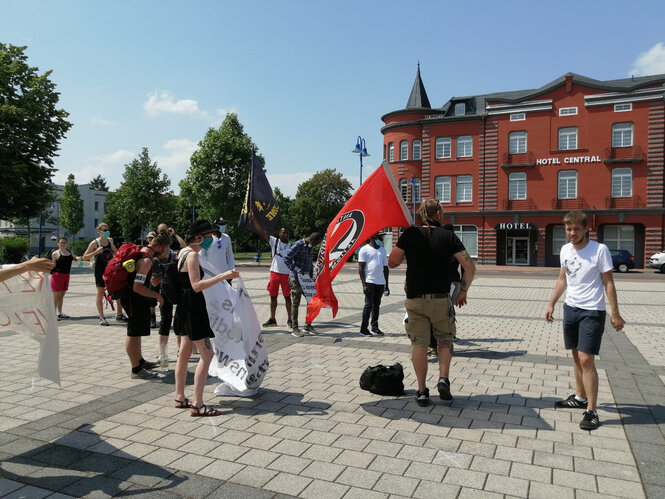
<point x="428" y="253"/>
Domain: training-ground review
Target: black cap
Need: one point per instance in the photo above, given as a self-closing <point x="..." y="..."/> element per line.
<point x="220" y="221"/>
<point x="200" y="227"/>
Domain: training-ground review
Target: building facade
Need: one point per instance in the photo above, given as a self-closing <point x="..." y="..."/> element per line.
<point x="94" y="208"/>
<point x="508" y="166"/>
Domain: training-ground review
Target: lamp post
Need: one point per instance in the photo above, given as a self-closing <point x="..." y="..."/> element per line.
<point x="361" y="150"/>
<point x="413" y="197"/>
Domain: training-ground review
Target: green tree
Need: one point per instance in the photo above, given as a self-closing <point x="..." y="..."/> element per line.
<point x="216" y="181"/>
<point x="318" y="200"/>
<point x="31" y="127"/>
<point x="141" y="200"/>
<point x="99" y="184"/>
<point x="71" y="207"/>
<point x="285" y="209"/>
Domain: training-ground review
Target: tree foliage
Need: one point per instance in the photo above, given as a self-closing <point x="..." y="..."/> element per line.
<point x="142" y="199"/>
<point x="317" y="202"/>
<point x="71" y="207"/>
<point x="99" y="184"/>
<point x="31" y="127"/>
<point x="217" y="178"/>
<point x="285" y="209"/>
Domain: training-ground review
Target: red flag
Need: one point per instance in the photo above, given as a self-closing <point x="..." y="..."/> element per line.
<point x="376" y="204"/>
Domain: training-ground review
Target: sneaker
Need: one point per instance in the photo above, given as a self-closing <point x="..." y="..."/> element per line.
<point x="153" y="324"/>
<point x="432" y="352"/>
<point x="289" y="323"/>
<point x="145" y="374"/>
<point x="121" y="318"/>
<point x="297" y="332"/>
<point x="63" y="316"/>
<point x="589" y="421"/>
<point x="570" y="403"/>
<point x="444" y="389"/>
<point x="365" y="332"/>
<point x="149" y="365"/>
<point x="57" y="317"/>
<point x="422" y="398"/>
<point x="103" y="322"/>
<point x="377" y="332"/>
<point x="311" y="330"/>
<point x="164" y="362"/>
<point x="270" y="323"/>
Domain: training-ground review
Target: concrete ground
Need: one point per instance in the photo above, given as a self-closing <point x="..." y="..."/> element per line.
<point x="312" y="432"/>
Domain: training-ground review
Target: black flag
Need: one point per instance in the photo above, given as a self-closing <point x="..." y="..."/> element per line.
<point x="259" y="197"/>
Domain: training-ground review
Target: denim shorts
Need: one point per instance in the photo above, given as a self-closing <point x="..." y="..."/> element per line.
<point x="583" y="329"/>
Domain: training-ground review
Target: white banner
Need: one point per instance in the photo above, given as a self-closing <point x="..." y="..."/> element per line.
<point x="308" y="286"/>
<point x="241" y="359"/>
<point x="26" y="306"/>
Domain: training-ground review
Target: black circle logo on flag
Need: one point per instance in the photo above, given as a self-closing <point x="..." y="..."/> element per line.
<point x="354" y="221"/>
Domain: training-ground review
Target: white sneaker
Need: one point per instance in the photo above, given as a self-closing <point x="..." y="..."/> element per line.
<point x="309" y="329"/>
<point x="297" y="332"/>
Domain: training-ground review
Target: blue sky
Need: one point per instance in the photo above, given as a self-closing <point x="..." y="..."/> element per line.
<point x="305" y="78"/>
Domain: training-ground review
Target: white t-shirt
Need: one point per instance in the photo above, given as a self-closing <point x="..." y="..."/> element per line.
<point x="220" y="254"/>
<point x="583" y="268"/>
<point x="279" y="250"/>
<point x="375" y="260"/>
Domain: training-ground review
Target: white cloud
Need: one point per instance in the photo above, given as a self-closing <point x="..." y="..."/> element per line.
<point x="81" y="176"/>
<point x="163" y="101"/>
<point x="288" y="182"/>
<point x="176" y="159"/>
<point x="119" y="157"/>
<point x="651" y="62"/>
<point x="99" y="121"/>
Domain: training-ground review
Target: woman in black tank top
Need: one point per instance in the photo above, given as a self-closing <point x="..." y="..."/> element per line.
<point x="63" y="259"/>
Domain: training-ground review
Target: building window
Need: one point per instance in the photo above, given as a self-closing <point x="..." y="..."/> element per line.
<point x="460" y="109"/>
<point x="96" y="222"/>
<point x="391" y="152"/>
<point x="464" y="189"/>
<point x="518" y="117"/>
<point x="567" y="184"/>
<point x="622" y="183"/>
<point x="404" y="189"/>
<point x="517" y="142"/>
<point x="517" y="185"/>
<point x="567" y="138"/>
<point x="416" y="150"/>
<point x="558" y="238"/>
<point x="468" y="234"/>
<point x="622" y="135"/>
<point x="403" y="150"/>
<point x="96" y="205"/>
<point x="442" y="189"/>
<point x="567" y="111"/>
<point x="410" y="191"/>
<point x="384" y="151"/>
<point x="622" y="108"/>
<point x="442" y="148"/>
<point x="464" y="146"/>
<point x="415" y="190"/>
<point x="620" y="237"/>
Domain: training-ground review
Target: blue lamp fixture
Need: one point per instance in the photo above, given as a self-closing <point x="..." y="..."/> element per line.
<point x="361" y="150"/>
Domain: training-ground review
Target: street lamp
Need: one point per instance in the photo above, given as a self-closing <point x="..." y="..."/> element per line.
<point x="361" y="150"/>
<point x="413" y="197"/>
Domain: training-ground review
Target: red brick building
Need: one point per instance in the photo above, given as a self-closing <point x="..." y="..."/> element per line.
<point x="507" y="166"/>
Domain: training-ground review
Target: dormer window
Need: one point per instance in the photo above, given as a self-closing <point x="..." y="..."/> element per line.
<point x="460" y="109"/>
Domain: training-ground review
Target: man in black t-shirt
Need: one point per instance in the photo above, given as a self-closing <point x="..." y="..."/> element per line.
<point x="428" y="250"/>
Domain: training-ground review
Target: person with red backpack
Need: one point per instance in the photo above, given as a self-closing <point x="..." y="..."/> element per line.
<point x="135" y="295"/>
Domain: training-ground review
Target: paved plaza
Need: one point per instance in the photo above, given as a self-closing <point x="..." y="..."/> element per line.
<point x="312" y="432"/>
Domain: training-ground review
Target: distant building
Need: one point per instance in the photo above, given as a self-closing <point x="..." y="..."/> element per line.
<point x="94" y="208"/>
<point x="507" y="166"/>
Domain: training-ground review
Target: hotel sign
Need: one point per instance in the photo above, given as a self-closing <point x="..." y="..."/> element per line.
<point x="571" y="160"/>
<point x="515" y="226"/>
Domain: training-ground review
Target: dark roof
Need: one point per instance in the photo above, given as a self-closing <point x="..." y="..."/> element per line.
<point x="418" y="98"/>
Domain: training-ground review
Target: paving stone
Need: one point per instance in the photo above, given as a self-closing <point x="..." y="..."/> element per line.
<point x="291" y="447"/>
<point x="289" y="464"/>
<point x="553" y="460"/>
<point x="538" y="490"/>
<point x="287" y="483"/>
<point x="465" y="478"/>
<point x="323" y="471"/>
<point x="490" y="465"/>
<point x="610" y="470"/>
<point x="397" y="485"/>
<point x="357" y="477"/>
<point x="507" y="485"/>
<point x="580" y="480"/>
<point x="428" y="489"/>
<point x="425" y="471"/>
<point x="530" y="472"/>
<point x="359" y="493"/>
<point x="28" y="491"/>
<point x="513" y="454"/>
<point x="253" y="476"/>
<point x="322" y="453"/>
<point x="354" y="458"/>
<point x="191" y="463"/>
<point x="319" y="489"/>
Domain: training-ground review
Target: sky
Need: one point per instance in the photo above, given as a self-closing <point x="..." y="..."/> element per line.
<point x="306" y="78"/>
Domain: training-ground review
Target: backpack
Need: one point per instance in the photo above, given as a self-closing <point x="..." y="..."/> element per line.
<point x="171" y="286"/>
<point x="383" y="380"/>
<point x="121" y="270"/>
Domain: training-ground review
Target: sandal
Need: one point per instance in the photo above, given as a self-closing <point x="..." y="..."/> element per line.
<point x="183" y="404"/>
<point x="204" y="412"/>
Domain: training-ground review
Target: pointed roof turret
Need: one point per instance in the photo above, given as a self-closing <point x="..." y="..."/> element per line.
<point x="418" y="97"/>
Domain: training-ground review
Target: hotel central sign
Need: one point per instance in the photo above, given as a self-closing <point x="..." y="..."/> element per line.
<point x="569" y="161"/>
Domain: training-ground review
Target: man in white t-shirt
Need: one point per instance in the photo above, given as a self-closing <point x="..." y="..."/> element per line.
<point x="279" y="272"/>
<point x="586" y="271"/>
<point x="373" y="270"/>
<point x="220" y="253"/>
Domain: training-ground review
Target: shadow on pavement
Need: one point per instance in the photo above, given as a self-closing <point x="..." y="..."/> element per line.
<point x="275" y="402"/>
<point x="635" y="414"/>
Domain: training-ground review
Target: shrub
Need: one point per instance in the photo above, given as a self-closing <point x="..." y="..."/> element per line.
<point x="79" y="246"/>
<point x="14" y="249"/>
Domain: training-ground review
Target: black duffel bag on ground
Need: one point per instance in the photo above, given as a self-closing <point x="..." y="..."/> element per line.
<point x="383" y="380"/>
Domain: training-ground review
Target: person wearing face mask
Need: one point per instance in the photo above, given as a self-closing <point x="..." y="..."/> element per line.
<point x="192" y="318"/>
<point x="100" y="251"/>
<point x="373" y="270"/>
<point x="220" y="252"/>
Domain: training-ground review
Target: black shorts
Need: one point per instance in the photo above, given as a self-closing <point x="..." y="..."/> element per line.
<point x="99" y="279"/>
<point x="137" y="308"/>
<point x="583" y="329"/>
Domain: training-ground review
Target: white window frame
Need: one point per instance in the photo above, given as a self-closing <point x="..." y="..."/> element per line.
<point x="442" y="186"/>
<point x="464" y="146"/>
<point x="567" y="111"/>
<point x="468" y="234"/>
<point x="559" y="238"/>
<point x="517" y="141"/>
<point x="403" y="189"/>
<point x="622" y="183"/>
<point x="443" y="145"/>
<point x="404" y="150"/>
<point x="622" y="108"/>
<point x="565" y="138"/>
<point x="567" y="184"/>
<point x="464" y="189"/>
<point x="518" y="117"/>
<point x="622" y="134"/>
<point x="517" y="186"/>
<point x="391" y="152"/>
<point x="416" y="150"/>
<point x="619" y="237"/>
<point x="460" y="109"/>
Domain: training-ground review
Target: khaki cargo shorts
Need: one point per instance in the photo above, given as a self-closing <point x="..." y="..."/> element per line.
<point x="433" y="313"/>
